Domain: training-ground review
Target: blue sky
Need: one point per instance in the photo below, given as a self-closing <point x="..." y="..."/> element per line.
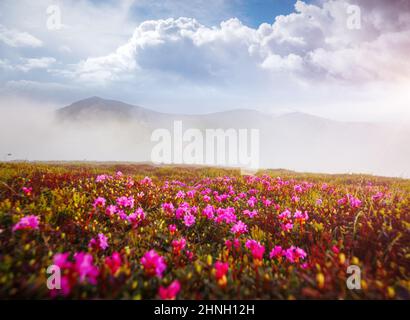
<point x="223" y="54"/>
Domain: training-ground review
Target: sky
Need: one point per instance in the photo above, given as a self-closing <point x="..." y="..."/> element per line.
<point x="340" y="59"/>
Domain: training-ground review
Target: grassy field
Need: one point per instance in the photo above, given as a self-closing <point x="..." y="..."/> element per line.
<point x="142" y="232"/>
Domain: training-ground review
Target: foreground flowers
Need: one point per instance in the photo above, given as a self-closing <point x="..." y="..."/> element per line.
<point x="134" y="232"/>
<point x="153" y="264"/>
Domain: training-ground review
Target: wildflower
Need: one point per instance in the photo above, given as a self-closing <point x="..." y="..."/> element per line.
<point x="189" y="255"/>
<point x="298" y="188"/>
<point x="190" y="193"/>
<point x="221" y="269"/>
<point x="126" y="201"/>
<point x="60" y="260"/>
<point x="180" y="194"/>
<point x="319" y="202"/>
<point x="354" y="202"/>
<point x="285" y="214"/>
<point x="27" y="191"/>
<point x="250" y="214"/>
<point x="234" y="243"/>
<point x="189" y="220"/>
<point x="294" y="254"/>
<point x="99" y="202"/>
<point x="295" y="198"/>
<point x="172" y="228"/>
<point x="147" y="181"/>
<point x="170" y="292"/>
<point x="227" y="215"/>
<point x="136" y="217"/>
<point x="266" y="202"/>
<point x="302" y="216"/>
<point x="208" y="211"/>
<point x="168" y="207"/>
<point x="111" y="210"/>
<point x="377" y="196"/>
<point x="287" y="226"/>
<point x="178" y="245"/>
<point x="252" y="201"/>
<point x="118" y="174"/>
<point x="113" y="262"/>
<point x="85" y="267"/>
<point x="257" y="249"/>
<point x="101" y="178"/>
<point x="239" y="228"/>
<point x="153" y="263"/>
<point x="99" y="243"/>
<point x="206" y="198"/>
<point x="30" y="222"/>
<point x="277" y="251"/>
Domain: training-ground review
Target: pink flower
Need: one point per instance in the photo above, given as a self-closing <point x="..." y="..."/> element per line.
<point x="287" y="226"/>
<point x="85" y="267"/>
<point x="208" y="211"/>
<point x="299" y="215"/>
<point x="178" y="245"/>
<point x="266" y="202"/>
<point x="294" y="254"/>
<point x="30" y="222"/>
<point x="277" y="251"/>
<point x="234" y="243"/>
<point x="111" y="210"/>
<point x="171" y="292"/>
<point x="257" y="249"/>
<point x="285" y="214"/>
<point x="206" y="198"/>
<point x="189" y="220"/>
<point x="239" y="228"/>
<point x="298" y="188"/>
<point x="136" y="217"/>
<point x="221" y="269"/>
<point x="113" y="262"/>
<point x="153" y="263"/>
<point x="99" y="202"/>
<point x="250" y="214"/>
<point x="172" y="228"/>
<point x="168" y="207"/>
<point x="147" y="181"/>
<point x="295" y="198"/>
<point x="319" y="202"/>
<point x="27" y="191"/>
<point x="99" y="243"/>
<point x="60" y="260"/>
<point x="102" y="177"/>
<point x="126" y="201"/>
<point x="377" y="196"/>
<point x="354" y="202"/>
<point x="180" y="194"/>
<point x="252" y="201"/>
<point x="190" y="193"/>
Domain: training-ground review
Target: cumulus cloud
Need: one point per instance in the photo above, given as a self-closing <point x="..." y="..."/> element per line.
<point x="16" y="38"/>
<point x="314" y="42"/>
<point x="35" y="63"/>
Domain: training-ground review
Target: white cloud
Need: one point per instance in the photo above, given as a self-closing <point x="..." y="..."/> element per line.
<point x="35" y="63"/>
<point x="15" y="38"/>
<point x="312" y="43"/>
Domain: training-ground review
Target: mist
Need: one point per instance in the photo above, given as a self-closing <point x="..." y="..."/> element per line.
<point x="31" y="131"/>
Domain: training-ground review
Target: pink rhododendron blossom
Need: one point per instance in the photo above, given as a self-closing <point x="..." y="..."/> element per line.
<point x="178" y="245"/>
<point x="85" y="268"/>
<point x="126" y="202"/>
<point x="27" y="191"/>
<point x="239" y="228"/>
<point x="189" y="220"/>
<point x="208" y="211"/>
<point x="99" y="243"/>
<point x="170" y="292"/>
<point x="250" y="214"/>
<point x="136" y="217"/>
<point x="221" y="269"/>
<point x="113" y="262"/>
<point x="30" y="222"/>
<point x="256" y="248"/>
<point x="277" y="251"/>
<point x="172" y="228"/>
<point x="153" y="263"/>
<point x="110" y="210"/>
<point x="99" y="202"/>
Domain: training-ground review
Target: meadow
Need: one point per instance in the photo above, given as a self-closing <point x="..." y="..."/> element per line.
<point x="133" y="231"/>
